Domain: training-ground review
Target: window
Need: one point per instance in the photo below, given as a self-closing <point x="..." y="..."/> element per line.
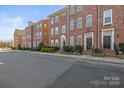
<point x="89" y="21"/>
<point x="63" y="14"/>
<point x="45" y="25"/>
<point x="107" y="17"/>
<point x="52" y="31"/>
<point x="71" y="24"/>
<point x="71" y="10"/>
<point x="37" y="26"/>
<point x="79" y="8"/>
<point x="71" y="40"/>
<point x="56" y="42"/>
<point x="79" y="22"/>
<point x="79" y="40"/>
<point x="108" y="39"/>
<point x="52" y="42"/>
<point x="63" y="28"/>
<point x="40" y="25"/>
<point x="56" y="19"/>
<point x="52" y="20"/>
<point x="56" y="30"/>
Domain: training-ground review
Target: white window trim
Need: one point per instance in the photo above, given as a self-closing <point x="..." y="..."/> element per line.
<point x="85" y="38"/>
<point x="79" y="36"/>
<point x="104" y="17"/>
<point x="112" y="37"/>
<point x="91" y="20"/>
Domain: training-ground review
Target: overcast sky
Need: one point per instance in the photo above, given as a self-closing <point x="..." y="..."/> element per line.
<point x="12" y="17"/>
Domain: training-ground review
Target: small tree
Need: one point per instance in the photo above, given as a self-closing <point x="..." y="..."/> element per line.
<point x="41" y="45"/>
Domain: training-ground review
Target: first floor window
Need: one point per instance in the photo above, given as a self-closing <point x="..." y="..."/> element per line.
<point x="52" y="42"/>
<point x="79" y="40"/>
<point x="56" y="42"/>
<point x="56" y="30"/>
<point x="71" y="40"/>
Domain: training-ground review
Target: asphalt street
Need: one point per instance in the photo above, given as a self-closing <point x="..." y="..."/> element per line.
<point x="29" y="70"/>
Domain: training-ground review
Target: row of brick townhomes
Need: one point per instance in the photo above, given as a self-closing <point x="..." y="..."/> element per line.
<point x="98" y="26"/>
<point x="33" y="34"/>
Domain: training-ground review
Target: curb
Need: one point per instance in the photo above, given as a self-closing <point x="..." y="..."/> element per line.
<point x="82" y="57"/>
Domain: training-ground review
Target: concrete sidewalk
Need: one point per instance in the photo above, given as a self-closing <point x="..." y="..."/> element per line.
<point x="84" y="57"/>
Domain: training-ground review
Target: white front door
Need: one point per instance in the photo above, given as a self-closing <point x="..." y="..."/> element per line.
<point x="63" y="41"/>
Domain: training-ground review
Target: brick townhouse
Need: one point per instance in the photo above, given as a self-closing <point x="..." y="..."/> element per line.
<point x="111" y="27"/>
<point x="33" y="34"/>
<point x="98" y="26"/>
<point x="58" y="28"/>
<point x="41" y="33"/>
<point x="18" y="38"/>
<point x="92" y="26"/>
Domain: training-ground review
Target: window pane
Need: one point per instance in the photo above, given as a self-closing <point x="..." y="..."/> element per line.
<point x="71" y="10"/>
<point x="71" y="24"/>
<point x="88" y="20"/>
<point x="107" y="42"/>
<point x="79" y="22"/>
<point x="107" y="19"/>
<point x="79" y="8"/>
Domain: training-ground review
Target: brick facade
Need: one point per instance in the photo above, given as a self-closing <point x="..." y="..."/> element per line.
<point x="92" y="26"/>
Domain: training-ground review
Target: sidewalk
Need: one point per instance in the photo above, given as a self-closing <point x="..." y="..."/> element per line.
<point x="84" y="57"/>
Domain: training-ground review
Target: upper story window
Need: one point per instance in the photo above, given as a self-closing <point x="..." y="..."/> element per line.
<point x="57" y="19"/>
<point x="52" y="20"/>
<point x="107" y="17"/>
<point x="71" y="9"/>
<point x="63" y="28"/>
<point x="52" y="31"/>
<point x="89" y="21"/>
<point x="79" y="8"/>
<point x="79" y="22"/>
<point x="44" y="25"/>
<point x="71" y="24"/>
<point x="56" y="30"/>
<point x="40" y="25"/>
<point x="63" y="14"/>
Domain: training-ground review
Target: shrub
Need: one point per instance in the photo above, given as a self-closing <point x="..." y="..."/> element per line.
<point x="41" y="45"/>
<point x="55" y="47"/>
<point x="96" y="50"/>
<point x="68" y="48"/>
<point x="47" y="50"/>
<point x="121" y="47"/>
<point x="78" y="49"/>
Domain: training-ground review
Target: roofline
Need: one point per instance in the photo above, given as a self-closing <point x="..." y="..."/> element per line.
<point x="57" y="12"/>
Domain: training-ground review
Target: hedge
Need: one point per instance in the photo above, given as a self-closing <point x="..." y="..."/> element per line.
<point x="47" y="50"/>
